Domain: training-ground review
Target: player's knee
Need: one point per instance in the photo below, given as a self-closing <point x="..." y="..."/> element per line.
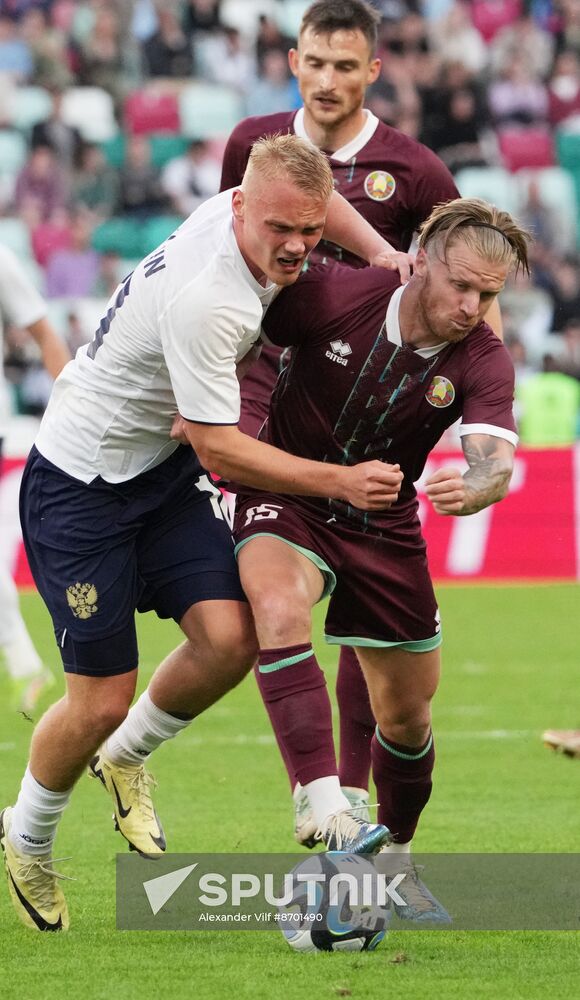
<point x="280" y="615"/>
<point x="407" y="725"/>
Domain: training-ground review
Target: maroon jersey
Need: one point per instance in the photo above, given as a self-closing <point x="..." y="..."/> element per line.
<point x="353" y="392"/>
<point x="392" y="180"/>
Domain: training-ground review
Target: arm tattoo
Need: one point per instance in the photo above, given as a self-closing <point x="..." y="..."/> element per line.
<point x="490" y="461"/>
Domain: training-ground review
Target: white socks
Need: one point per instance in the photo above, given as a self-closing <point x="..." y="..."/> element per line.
<point x="35" y="816"/>
<point x="325" y="797"/>
<point x="397" y="848"/>
<point x="145" y="728"/>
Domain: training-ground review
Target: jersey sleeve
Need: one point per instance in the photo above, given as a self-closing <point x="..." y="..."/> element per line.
<point x="20" y="303"/>
<point x="489" y="394"/>
<point x="200" y="348"/>
<point x="235" y="158"/>
<point x="434" y="185"/>
<point x="291" y="318"/>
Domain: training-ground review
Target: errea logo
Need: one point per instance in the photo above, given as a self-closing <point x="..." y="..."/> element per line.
<point x="339" y="352"/>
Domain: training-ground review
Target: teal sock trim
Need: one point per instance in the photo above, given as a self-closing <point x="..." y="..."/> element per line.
<point x="269" y="668"/>
<point x="404" y="756"/>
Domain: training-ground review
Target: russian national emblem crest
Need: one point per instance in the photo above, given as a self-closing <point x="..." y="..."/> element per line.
<point x="82" y="600"/>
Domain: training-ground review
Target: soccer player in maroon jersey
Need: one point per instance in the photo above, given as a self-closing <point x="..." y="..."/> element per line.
<point x="394" y="182"/>
<point x="378" y="370"/>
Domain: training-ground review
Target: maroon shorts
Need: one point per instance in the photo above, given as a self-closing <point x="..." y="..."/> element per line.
<point x="381" y="591"/>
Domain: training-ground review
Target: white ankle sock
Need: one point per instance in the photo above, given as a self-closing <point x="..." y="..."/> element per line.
<point x="36" y="815"/>
<point x="397" y="848"/>
<point x="145" y="728"/>
<point x="325" y="797"/>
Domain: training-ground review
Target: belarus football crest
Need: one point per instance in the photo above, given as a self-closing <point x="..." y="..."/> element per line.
<point x="380" y="185"/>
<point x="441" y="392"/>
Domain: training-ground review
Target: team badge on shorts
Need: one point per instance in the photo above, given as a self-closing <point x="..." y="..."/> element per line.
<point x="441" y="392"/>
<point x="380" y="185"/>
<point x="82" y="600"/>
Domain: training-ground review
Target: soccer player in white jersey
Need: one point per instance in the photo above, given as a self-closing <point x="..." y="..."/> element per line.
<point x="23" y="306"/>
<point x="117" y="516"/>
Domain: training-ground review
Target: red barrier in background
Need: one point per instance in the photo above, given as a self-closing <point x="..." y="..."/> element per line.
<point x="534" y="534"/>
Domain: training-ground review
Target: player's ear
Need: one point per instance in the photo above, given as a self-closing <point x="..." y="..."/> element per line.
<point x="421" y="264"/>
<point x="238" y="203"/>
<point x="293" y="60"/>
<point x="374" y="70"/>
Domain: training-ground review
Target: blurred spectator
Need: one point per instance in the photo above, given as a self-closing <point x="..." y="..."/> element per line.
<point x="75" y="334"/>
<point x="568" y="357"/>
<point x="49" y="48"/>
<point x="107" y="279"/>
<point x="273" y="91"/>
<point x="140" y="191"/>
<point x="52" y="235"/>
<point x="223" y="57"/>
<point x="564" y="90"/>
<point x="565" y="291"/>
<point x="517" y="349"/>
<point x="40" y="185"/>
<point x="270" y="37"/>
<point x="16" y="62"/>
<point x="568" y="34"/>
<point x="64" y="140"/>
<point x="540" y="220"/>
<point x="100" y="55"/>
<point x="549" y="407"/>
<point x="167" y="53"/>
<point x="202" y="15"/>
<point x="95" y="185"/>
<point x="457" y="40"/>
<point x="74" y="270"/>
<point x="525" y="40"/>
<point x="189" y="179"/>
<point x="458" y="132"/>
<point x="518" y="97"/>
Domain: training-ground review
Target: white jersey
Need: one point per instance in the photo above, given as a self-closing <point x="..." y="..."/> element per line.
<point x="21" y="305"/>
<point x="173" y="333"/>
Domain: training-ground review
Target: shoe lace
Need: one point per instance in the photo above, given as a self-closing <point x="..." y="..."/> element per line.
<point x="342" y="826"/>
<point x="142" y="783"/>
<point x="39" y="875"/>
<point x="413" y="890"/>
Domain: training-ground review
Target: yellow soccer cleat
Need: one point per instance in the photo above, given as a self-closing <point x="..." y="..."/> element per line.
<point x="33" y="884"/>
<point x="135" y="817"/>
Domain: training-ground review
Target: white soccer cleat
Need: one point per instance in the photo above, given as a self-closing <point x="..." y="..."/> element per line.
<point x="130" y="789"/>
<point x="33" y="884"/>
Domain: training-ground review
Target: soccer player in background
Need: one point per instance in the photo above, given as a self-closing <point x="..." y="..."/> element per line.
<point x="21" y="305"/>
<point x="377" y="370"/>
<point x="117" y="516"/>
<point x="394" y="182"/>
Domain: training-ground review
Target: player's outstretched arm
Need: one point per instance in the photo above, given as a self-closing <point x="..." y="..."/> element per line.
<point x="486" y="481"/>
<point x="347" y="228"/>
<point x="235" y="456"/>
<point x="55" y="353"/>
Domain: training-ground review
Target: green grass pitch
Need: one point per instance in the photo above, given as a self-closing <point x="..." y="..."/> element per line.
<point x="510" y="670"/>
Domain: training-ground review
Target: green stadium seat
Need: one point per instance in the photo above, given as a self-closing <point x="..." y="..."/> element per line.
<point x="208" y="110"/>
<point x="494" y="184"/>
<point x="114" y="150"/>
<point x="14" y="234"/>
<point x="290" y="14"/>
<point x="13" y="152"/>
<point x="156" y="230"/>
<point x="29" y="105"/>
<point x="568" y="149"/>
<point x="119" y="235"/>
<point x="167" y="147"/>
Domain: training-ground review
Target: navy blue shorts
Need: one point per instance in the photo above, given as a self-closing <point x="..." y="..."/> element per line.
<point x="99" y="552"/>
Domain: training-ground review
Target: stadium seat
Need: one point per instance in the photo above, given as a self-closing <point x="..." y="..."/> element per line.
<point x="290" y="14"/>
<point x="568" y="149"/>
<point x="13" y="153"/>
<point x="244" y="14"/>
<point x="114" y="150"/>
<point x="489" y="16"/>
<point x="156" y="230"/>
<point x="14" y="234"/>
<point x="147" y="111"/>
<point x="526" y="147"/>
<point x="494" y="184"/>
<point x="119" y="235"/>
<point x="209" y="110"/>
<point x="91" y="110"/>
<point x="166" y="147"/>
<point x="558" y="194"/>
<point x="29" y="105"/>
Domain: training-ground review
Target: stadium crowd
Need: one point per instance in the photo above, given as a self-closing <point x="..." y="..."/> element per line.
<point x="114" y="116"/>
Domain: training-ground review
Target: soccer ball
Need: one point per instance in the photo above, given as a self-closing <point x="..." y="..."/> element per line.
<point x="344" y="911"/>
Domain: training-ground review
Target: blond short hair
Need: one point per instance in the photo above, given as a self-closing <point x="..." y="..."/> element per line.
<point x="277" y="156"/>
<point x="486" y="230"/>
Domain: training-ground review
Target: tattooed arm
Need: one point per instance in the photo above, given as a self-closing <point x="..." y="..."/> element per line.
<point x="486" y="481"/>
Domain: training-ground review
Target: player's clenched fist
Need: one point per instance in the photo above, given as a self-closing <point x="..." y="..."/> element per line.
<point x="446" y="490"/>
<point x="372" y="485"/>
